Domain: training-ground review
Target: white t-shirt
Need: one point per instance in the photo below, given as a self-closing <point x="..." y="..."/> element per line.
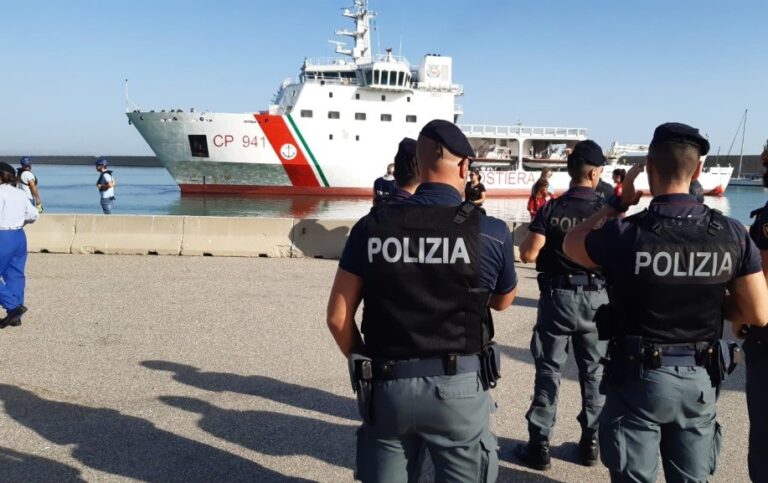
<point x="15" y="208"/>
<point x="105" y="178"/>
<point x="26" y="177"/>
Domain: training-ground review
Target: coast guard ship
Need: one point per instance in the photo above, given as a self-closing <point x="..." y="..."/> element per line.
<point x="333" y="130"/>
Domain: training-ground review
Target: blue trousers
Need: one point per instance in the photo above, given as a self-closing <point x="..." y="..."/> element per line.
<point x="756" y="351"/>
<point x="446" y="415"/>
<point x="13" y="258"/>
<point x="565" y="318"/>
<point x="106" y="205"/>
<point x="670" y="410"/>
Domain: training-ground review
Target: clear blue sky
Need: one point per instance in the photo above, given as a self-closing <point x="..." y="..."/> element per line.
<point x="617" y="68"/>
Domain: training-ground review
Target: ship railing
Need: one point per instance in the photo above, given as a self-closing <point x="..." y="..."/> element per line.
<point x="456" y="89"/>
<point x="520" y="130"/>
<point x="335" y="61"/>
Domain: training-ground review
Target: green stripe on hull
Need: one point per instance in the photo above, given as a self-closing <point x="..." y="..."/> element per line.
<point x="309" y="151"/>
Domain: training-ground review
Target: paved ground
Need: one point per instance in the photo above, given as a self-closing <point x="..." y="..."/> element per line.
<point x="221" y="369"/>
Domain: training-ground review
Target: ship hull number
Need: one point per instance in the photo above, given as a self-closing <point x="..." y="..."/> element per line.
<point x="227" y="140"/>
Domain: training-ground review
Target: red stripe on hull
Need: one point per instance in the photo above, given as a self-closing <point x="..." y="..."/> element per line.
<point x="296" y="165"/>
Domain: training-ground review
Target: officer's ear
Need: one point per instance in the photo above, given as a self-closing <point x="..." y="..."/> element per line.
<point x="697" y="171"/>
<point x="464" y="168"/>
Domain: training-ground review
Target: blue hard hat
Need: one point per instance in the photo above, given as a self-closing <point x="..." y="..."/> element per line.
<point x="102" y="161"/>
<point x="25" y="161"/>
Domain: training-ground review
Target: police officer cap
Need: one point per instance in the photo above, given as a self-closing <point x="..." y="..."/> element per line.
<point x="7" y="168"/>
<point x="25" y="161"/>
<point x="680" y="133"/>
<point x="102" y="161"/>
<point x="587" y="151"/>
<point x="406" y="151"/>
<point x="449" y="135"/>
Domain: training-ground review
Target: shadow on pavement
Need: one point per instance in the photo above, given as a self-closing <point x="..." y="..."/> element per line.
<point x="506" y="454"/>
<point x="273" y="433"/>
<point x="105" y="440"/>
<point x="15" y="466"/>
<point x="263" y="386"/>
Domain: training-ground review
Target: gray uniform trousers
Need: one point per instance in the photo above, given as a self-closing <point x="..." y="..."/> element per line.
<point x="756" y="352"/>
<point x="670" y="410"/>
<point x="447" y="415"/>
<point x="565" y="317"/>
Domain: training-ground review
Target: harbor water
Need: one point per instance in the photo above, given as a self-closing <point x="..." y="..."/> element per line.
<point x="152" y="191"/>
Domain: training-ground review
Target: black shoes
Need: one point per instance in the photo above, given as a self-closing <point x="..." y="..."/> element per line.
<point x="589" y="451"/>
<point x="13" y="317"/>
<point x="534" y="455"/>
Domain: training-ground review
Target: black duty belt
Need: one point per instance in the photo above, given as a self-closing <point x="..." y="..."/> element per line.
<point x="442" y="366"/>
<point x="674" y="355"/>
<point x="584" y="280"/>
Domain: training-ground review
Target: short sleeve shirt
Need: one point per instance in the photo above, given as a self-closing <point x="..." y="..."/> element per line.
<point x="104" y="179"/>
<point x="26" y="177"/>
<point x="497" y="261"/>
<point x="603" y="245"/>
<point x="473" y="193"/>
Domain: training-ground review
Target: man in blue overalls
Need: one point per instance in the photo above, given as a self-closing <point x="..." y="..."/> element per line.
<point x="756" y="349"/>
<point x="668" y="269"/>
<point x="570" y="296"/>
<point x="15" y="212"/>
<point x="428" y="269"/>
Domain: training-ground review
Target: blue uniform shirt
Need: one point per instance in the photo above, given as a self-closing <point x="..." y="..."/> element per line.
<point x="497" y="260"/>
<point x="759" y="229"/>
<point x="601" y="244"/>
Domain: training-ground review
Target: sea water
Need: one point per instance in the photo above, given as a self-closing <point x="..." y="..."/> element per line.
<point x="152" y="191"/>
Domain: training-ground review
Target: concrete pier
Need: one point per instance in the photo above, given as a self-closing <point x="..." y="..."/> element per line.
<point x="138" y="368"/>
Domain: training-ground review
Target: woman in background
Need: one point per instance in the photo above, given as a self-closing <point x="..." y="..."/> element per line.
<point x="539" y="197"/>
<point x="475" y="191"/>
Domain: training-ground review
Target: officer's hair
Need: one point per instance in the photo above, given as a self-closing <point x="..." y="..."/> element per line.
<point x="405" y="171"/>
<point x="578" y="169"/>
<point x="7" y="178"/>
<point x="674" y="161"/>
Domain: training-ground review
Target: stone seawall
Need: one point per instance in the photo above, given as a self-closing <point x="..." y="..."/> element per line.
<point x="196" y="235"/>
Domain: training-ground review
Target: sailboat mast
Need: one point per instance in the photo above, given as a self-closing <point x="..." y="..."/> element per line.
<point x="741" y="153"/>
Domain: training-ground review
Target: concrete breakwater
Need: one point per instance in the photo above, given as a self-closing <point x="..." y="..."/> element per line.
<point x="196" y="235"/>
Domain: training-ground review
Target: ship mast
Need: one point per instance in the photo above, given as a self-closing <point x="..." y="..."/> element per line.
<point x="361" y="52"/>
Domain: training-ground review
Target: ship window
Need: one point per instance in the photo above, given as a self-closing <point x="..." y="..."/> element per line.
<point x="503" y="143"/>
<point x="306" y="113"/>
<point x="385" y="77"/>
<point x="376" y="76"/>
<point x="401" y="79"/>
<point x="386" y="117"/>
<point x="333" y="115"/>
<point x="410" y="118"/>
<point x="368" y="77"/>
<point x="359" y="116"/>
<point x="408" y="99"/>
<point x="357" y="96"/>
<point x="198" y="144"/>
<point x="357" y="137"/>
<point x="383" y="97"/>
<point x="330" y="136"/>
<point x="392" y="78"/>
<point x="330" y="94"/>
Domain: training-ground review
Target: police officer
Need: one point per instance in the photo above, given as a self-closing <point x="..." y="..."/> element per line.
<point x="570" y="295"/>
<point x="106" y="185"/>
<point x="756" y="349"/>
<point x="667" y="270"/>
<point x="15" y="212"/>
<point x="27" y="181"/>
<point x="406" y="171"/>
<point x="428" y="269"/>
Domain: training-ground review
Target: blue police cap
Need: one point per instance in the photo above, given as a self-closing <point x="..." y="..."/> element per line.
<point x="25" y="161"/>
<point x="406" y="151"/>
<point x="7" y="168"/>
<point x="102" y="161"/>
<point x="450" y="136"/>
<point x="680" y="133"/>
<point x="588" y="152"/>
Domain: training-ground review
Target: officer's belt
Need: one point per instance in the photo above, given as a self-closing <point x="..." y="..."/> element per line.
<point x="583" y="280"/>
<point x="442" y="366"/>
<point x="660" y="355"/>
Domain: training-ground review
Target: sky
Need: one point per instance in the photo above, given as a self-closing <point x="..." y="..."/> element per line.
<point x="617" y="68"/>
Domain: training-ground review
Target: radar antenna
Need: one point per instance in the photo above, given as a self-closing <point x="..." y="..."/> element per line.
<point x="361" y="52"/>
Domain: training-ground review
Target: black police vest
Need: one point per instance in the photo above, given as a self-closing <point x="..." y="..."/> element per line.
<point x="564" y="213"/>
<point x="421" y="289"/>
<point x="672" y="285"/>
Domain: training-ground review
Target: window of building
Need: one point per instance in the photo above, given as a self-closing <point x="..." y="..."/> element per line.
<point x="386" y="117"/>
<point x="198" y="144"/>
<point x="334" y="115"/>
<point x="410" y="118"/>
<point x="306" y="113"/>
<point x="360" y="116"/>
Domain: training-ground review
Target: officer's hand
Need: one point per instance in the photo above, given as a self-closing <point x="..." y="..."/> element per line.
<point x="629" y="196"/>
<point x="39" y="207"/>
